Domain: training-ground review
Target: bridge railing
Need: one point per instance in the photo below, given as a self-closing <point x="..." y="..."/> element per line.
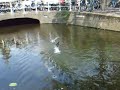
<point x="48" y="7"/>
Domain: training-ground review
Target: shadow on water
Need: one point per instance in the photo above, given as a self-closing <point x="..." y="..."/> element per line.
<point x="18" y="21"/>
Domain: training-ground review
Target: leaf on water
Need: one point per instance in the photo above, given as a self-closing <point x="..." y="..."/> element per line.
<point x="13" y="84"/>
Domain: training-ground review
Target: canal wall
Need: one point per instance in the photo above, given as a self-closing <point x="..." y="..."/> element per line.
<point x="87" y="19"/>
<point x="96" y="20"/>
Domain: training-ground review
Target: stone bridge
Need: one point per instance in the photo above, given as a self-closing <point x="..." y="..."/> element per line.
<point x="43" y="17"/>
<point x="87" y="19"/>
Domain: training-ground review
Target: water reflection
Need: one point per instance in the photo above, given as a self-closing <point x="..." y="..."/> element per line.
<point x="52" y="57"/>
<point x="5" y="51"/>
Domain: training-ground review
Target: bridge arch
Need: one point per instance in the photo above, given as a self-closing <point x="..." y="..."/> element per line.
<point x="18" y="21"/>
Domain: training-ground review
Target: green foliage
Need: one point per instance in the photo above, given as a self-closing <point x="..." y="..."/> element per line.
<point x="63" y="15"/>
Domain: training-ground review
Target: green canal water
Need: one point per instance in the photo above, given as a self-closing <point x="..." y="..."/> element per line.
<point x="59" y="57"/>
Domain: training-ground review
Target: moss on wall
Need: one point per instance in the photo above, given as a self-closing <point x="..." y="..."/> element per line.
<point x="62" y="16"/>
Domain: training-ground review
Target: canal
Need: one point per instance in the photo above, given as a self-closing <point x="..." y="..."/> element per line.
<point x="59" y="57"/>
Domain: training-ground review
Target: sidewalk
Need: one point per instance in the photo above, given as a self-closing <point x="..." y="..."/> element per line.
<point x="104" y="13"/>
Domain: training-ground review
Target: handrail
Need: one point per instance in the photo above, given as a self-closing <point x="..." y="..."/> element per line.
<point x="52" y="8"/>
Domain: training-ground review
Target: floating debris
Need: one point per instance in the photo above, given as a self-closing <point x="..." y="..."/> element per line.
<point x="96" y="84"/>
<point x="62" y="88"/>
<point x="13" y="84"/>
<point x="54" y="76"/>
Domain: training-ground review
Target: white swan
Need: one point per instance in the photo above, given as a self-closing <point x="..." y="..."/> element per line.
<point x="52" y="40"/>
<point x="57" y="50"/>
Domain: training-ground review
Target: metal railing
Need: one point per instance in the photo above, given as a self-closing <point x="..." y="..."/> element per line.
<point x="39" y="8"/>
<point x="58" y="7"/>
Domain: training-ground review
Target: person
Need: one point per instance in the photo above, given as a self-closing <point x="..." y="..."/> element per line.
<point x="113" y="3"/>
<point x="82" y="5"/>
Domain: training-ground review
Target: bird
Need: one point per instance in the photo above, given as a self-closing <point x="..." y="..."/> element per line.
<point x="57" y="44"/>
<point x="57" y="50"/>
<point x="52" y="40"/>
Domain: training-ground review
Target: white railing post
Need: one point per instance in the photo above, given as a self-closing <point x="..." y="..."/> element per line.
<point x="11" y="10"/>
<point x="23" y="7"/>
<point x="36" y="7"/>
<point x="23" y="10"/>
<point x="59" y="7"/>
<point x="79" y="5"/>
<point x="48" y="7"/>
<point x="70" y="5"/>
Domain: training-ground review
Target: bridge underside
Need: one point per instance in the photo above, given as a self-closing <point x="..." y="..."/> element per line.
<point x="18" y="21"/>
